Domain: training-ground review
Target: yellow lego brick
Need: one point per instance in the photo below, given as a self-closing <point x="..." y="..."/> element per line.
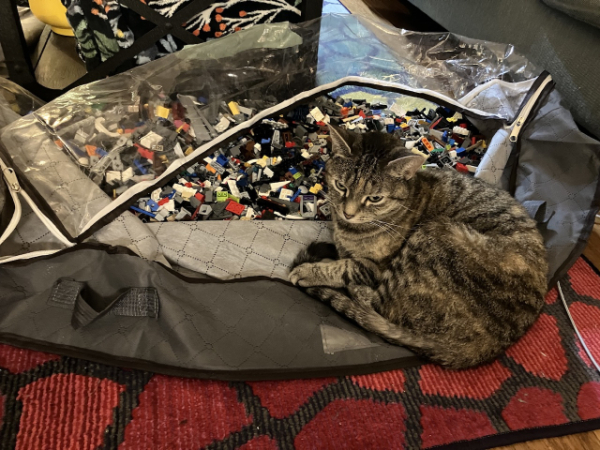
<point x="316" y="188"/>
<point x="163" y="112"/>
<point x="233" y="107"/>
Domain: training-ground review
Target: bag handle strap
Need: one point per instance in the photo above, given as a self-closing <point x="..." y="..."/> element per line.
<point x="88" y="306"/>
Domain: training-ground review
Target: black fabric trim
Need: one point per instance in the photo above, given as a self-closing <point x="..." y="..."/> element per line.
<point x="242" y="375"/>
<point x="528" y="434"/>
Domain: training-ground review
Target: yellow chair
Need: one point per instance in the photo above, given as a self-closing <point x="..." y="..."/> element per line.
<point x="53" y="13"/>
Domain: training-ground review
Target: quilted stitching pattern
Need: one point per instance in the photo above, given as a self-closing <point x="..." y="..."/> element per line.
<point x="504" y="101"/>
<point x="494" y="161"/>
<point x="558" y="165"/>
<point x="73" y="197"/>
<point x="212" y="326"/>
<point x="236" y="249"/>
<point x="501" y="100"/>
<point x="31" y="235"/>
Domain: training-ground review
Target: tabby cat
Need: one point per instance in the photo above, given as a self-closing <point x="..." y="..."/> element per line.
<point x="443" y="264"/>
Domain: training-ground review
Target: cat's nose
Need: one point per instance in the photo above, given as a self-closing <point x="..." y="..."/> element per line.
<point x="348" y="216"/>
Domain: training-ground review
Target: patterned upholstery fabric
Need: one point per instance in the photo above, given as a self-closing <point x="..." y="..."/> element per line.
<point x="585" y="10"/>
<point x="103" y="27"/>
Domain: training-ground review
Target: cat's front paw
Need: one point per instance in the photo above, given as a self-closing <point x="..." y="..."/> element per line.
<point x="304" y="275"/>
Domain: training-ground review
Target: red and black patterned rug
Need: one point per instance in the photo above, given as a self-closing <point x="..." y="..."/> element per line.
<point x="544" y="386"/>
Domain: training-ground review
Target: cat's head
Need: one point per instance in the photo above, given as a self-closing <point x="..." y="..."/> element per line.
<point x="368" y="176"/>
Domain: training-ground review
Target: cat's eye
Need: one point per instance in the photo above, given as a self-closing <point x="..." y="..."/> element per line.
<point x="340" y="186"/>
<point x="375" y="198"/>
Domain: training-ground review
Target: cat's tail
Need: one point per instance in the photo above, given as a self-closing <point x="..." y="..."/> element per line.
<point x="359" y="308"/>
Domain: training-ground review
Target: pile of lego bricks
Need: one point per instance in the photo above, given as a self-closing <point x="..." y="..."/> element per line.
<point x="274" y="171"/>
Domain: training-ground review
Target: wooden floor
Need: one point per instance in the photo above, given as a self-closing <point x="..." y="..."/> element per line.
<point x="592" y="251"/>
<point x="583" y="441"/>
<point x="402" y="15"/>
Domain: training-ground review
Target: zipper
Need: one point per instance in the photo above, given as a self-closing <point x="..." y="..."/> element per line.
<point x="524" y="114"/>
<point x="527" y="109"/>
<point x="10" y="178"/>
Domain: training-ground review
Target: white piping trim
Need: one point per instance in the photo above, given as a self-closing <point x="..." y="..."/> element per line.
<point x="585" y="347"/>
<point x="30" y="255"/>
<point x="14" y="188"/>
<point x="49" y="224"/>
<point x="520" y="121"/>
<point x="266" y="113"/>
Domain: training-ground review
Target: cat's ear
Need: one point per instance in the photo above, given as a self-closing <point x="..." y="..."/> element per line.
<point x="341" y="141"/>
<point x="406" y="166"/>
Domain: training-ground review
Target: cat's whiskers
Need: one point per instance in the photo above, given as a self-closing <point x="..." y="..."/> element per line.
<point x="397" y="229"/>
<point x="390" y="224"/>
<point x="381" y="226"/>
<point x="406" y="207"/>
<point x="389" y="231"/>
<point x="392" y="230"/>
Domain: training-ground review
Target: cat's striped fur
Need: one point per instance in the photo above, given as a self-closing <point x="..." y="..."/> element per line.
<point x="446" y="265"/>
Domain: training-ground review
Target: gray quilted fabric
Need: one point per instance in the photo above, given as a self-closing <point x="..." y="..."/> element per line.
<point x="238" y="249"/>
<point x="559" y="165"/>
<point x="73" y="197"/>
<point x="494" y="161"/>
<point x="224" y="326"/>
<point x="502" y="99"/>
<point x="31" y="235"/>
<point x="584" y="10"/>
<point x="128" y="231"/>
